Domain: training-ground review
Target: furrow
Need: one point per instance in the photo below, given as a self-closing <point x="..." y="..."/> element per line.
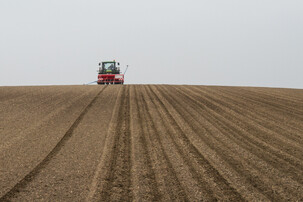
<point x="205" y="136"/>
<point x="271" y="104"/>
<point x="277" y="115"/>
<point x="169" y="184"/>
<point x="291" y="98"/>
<point x="250" y="121"/>
<point x="269" y="121"/>
<point x="209" y="180"/>
<point x="215" y="142"/>
<point x="281" y="99"/>
<point x="144" y="184"/>
<point x="275" y="151"/>
<point x="253" y="174"/>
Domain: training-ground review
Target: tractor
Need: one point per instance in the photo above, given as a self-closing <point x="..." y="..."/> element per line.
<point x="109" y="73"/>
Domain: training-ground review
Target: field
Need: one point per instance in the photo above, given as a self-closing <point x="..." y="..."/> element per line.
<point x="151" y="142"/>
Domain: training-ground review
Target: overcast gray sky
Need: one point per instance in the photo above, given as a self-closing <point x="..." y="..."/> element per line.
<point x="207" y="42"/>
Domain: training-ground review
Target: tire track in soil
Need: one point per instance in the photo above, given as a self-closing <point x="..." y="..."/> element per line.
<point x="26" y="153"/>
<point x="119" y="182"/>
<point x="208" y="177"/>
<point x="31" y="175"/>
<point x="112" y="180"/>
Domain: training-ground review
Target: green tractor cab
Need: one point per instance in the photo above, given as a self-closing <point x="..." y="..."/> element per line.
<point x="109" y="67"/>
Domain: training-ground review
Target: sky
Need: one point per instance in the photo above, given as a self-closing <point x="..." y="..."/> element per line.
<point x="199" y="42"/>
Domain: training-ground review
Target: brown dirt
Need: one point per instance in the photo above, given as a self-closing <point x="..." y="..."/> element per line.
<point x="151" y="142"/>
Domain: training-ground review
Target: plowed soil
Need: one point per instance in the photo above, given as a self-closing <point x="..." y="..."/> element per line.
<point x="151" y="142"/>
